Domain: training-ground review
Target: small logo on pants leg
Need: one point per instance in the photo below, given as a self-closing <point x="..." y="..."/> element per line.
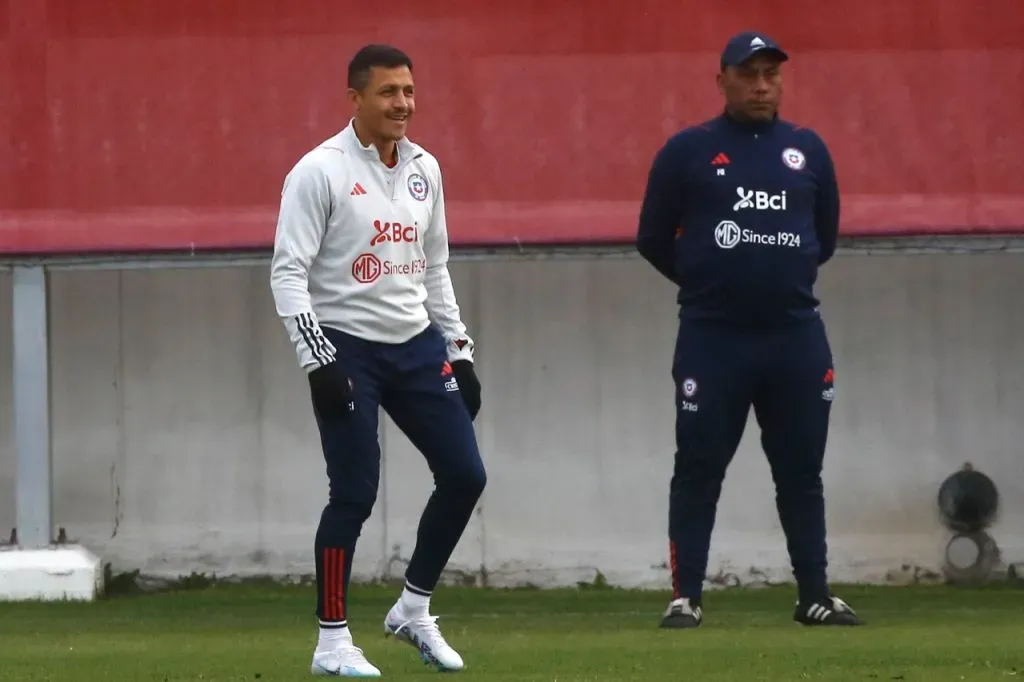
<point x="829" y="393"/>
<point x="451" y="384"/>
<point x="689" y="388"/>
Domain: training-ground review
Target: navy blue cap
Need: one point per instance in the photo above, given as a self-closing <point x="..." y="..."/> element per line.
<point x="743" y="46"/>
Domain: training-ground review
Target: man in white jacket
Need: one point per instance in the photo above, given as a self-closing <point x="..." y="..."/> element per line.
<point x="360" y="279"/>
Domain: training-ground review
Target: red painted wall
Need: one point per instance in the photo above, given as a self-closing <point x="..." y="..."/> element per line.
<point x="169" y="124"/>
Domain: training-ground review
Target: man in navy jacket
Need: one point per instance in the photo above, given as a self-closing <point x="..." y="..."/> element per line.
<point x="739" y="212"/>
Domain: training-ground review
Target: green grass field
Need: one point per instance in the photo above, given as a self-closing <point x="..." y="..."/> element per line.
<point x="267" y="633"/>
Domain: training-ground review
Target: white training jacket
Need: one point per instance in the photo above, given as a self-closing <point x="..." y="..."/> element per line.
<point x="363" y="248"/>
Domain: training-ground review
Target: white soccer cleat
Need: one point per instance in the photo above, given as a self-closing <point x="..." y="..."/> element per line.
<point x="345" y="661"/>
<point x="424" y="635"/>
<point x="681" y="613"/>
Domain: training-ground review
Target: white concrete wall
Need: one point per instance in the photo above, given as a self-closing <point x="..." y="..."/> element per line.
<point x="183" y="440"/>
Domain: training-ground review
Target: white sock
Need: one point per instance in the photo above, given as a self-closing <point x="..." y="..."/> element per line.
<point x="333" y="637"/>
<point x="414" y="601"/>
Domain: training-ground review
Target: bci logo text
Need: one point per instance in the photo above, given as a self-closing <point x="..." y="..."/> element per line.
<point x="393" y="232"/>
<point x="759" y="200"/>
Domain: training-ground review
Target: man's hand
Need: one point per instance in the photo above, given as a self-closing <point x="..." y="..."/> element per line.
<point x="332" y="391"/>
<point x="469" y="385"/>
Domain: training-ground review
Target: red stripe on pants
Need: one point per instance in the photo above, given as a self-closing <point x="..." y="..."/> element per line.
<point x="672" y="566"/>
<point x="334" y="584"/>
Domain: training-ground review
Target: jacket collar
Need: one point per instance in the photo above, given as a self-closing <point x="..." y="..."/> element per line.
<point x="407" y="150"/>
<point x="752" y="127"/>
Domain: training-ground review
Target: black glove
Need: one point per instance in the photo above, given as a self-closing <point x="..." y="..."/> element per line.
<point x="469" y="385"/>
<point x="331" y="390"/>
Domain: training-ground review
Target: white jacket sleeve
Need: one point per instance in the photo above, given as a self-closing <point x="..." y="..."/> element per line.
<point x="442" y="307"/>
<point x="301" y="223"/>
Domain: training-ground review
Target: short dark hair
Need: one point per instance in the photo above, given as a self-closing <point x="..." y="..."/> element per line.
<point x="370" y="56"/>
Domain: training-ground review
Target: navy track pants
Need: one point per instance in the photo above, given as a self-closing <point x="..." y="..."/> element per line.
<point x="786" y="375"/>
<point x="413" y="383"/>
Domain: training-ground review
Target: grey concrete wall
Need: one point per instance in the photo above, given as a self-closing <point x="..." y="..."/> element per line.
<point x="183" y="440"/>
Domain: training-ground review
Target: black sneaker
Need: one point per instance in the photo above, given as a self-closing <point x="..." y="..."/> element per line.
<point x="681" y="614"/>
<point x="830" y="611"/>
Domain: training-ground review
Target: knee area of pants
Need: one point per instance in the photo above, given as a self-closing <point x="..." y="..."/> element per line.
<point x="703" y="463"/>
<point x="698" y="474"/>
<point x="469" y="482"/>
<point x="350" y="508"/>
<point x="698" y="489"/>
<point x="800" y="485"/>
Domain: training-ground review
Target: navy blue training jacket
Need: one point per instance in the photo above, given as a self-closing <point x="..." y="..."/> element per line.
<point x="740" y="216"/>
